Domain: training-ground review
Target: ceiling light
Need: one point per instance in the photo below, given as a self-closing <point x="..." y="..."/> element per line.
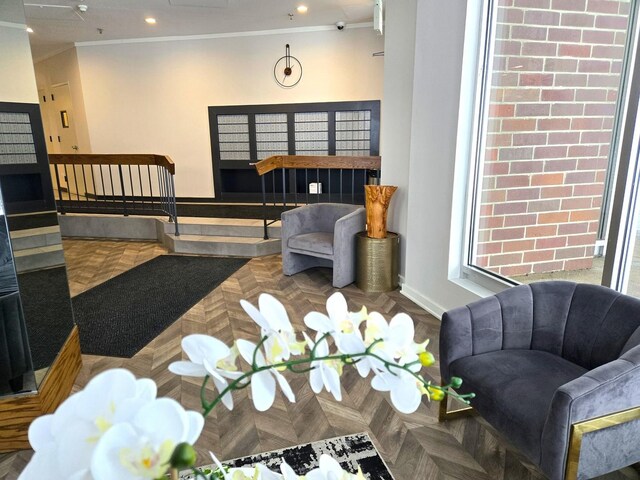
<point x="302" y="9"/>
<point x="29" y="29"/>
<point x="150" y="20"/>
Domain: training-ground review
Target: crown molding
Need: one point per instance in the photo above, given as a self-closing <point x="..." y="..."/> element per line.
<point x="255" y="33"/>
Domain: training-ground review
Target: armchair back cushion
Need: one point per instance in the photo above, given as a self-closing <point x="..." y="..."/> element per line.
<point x="588" y="325"/>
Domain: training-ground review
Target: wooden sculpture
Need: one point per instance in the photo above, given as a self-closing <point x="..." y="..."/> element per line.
<point x="377" y="198"/>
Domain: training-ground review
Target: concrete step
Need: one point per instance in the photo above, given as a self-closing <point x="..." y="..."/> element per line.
<point x="35" y="237"/>
<point x="222" y="245"/>
<point x="38" y="258"/>
<point x="223" y="227"/>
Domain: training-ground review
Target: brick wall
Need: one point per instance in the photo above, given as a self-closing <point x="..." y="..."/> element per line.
<point x="556" y="73"/>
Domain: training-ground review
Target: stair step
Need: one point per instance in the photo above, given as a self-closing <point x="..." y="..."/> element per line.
<point x="35" y="237"/>
<point x="223" y="245"/>
<point x="223" y="227"/>
<point x="38" y="258"/>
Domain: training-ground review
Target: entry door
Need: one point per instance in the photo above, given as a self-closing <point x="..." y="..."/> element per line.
<point x="61" y="115"/>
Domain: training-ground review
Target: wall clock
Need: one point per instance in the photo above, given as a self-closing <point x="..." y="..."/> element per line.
<point x="288" y="70"/>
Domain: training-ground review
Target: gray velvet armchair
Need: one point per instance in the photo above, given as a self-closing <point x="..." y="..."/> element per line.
<point x="322" y="235"/>
<point x="555" y="367"/>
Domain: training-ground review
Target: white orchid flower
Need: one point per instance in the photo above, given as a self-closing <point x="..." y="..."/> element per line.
<point x="141" y="449"/>
<point x="395" y="340"/>
<point x="343" y="326"/>
<point x="340" y="321"/>
<point x="325" y="372"/>
<point x="209" y="356"/>
<point x="405" y="389"/>
<point x="330" y="469"/>
<point x="64" y="442"/>
<point x="274" y="323"/>
<point x="263" y="383"/>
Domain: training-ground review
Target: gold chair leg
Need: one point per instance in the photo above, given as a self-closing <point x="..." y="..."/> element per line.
<point x="444" y="414"/>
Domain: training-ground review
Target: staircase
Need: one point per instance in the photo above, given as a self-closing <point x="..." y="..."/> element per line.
<point x="37" y="248"/>
<point x="203" y="236"/>
<point x="222" y="236"/>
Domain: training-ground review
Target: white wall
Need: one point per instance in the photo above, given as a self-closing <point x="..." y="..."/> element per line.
<point x="399" y="51"/>
<point x="64" y="68"/>
<point x="17" y="83"/>
<point x="440" y="30"/>
<point x="153" y="97"/>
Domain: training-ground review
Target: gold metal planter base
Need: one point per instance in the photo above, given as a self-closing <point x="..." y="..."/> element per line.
<point x="377" y="262"/>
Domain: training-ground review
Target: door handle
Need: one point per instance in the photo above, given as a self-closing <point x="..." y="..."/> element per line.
<point x="75" y="147"/>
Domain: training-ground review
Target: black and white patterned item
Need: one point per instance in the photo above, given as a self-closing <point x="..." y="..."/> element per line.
<point x="352" y="451"/>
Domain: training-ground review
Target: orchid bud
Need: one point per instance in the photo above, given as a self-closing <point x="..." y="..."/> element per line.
<point x="184" y="456"/>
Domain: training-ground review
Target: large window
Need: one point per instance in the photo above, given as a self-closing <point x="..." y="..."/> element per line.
<point x="550" y="130"/>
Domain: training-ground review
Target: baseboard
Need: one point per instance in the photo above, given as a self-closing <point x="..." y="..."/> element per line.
<point x="418" y="298"/>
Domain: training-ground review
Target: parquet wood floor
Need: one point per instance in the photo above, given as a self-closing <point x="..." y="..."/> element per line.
<point x="414" y="446"/>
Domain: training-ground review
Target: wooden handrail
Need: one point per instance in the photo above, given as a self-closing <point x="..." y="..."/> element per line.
<point x="309" y="161"/>
<point x="112" y="159"/>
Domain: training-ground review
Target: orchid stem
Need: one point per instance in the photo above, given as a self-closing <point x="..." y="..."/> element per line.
<point x="344" y="358"/>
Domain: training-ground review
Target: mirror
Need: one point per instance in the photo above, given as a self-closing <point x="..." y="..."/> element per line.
<point x="16" y="367"/>
<point x="35" y="306"/>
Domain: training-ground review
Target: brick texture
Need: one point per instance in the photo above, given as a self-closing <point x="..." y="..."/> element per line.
<point x="553" y="96"/>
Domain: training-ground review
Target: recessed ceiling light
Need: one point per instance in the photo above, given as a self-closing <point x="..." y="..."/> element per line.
<point x="150" y="20"/>
<point x="29" y="29"/>
<point x="302" y="9"/>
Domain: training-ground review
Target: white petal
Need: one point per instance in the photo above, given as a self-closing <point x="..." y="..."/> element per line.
<point x="315" y="379"/>
<point x="284" y="385"/>
<point x="287" y="472"/>
<point x="227" y="399"/>
<point x="274" y="312"/>
<point x="364" y="368"/>
<point x="188" y="369"/>
<point x="43" y="464"/>
<point x="263" y="390"/>
<point x="319" y="322"/>
<point x="212" y="370"/>
<point x="380" y="382"/>
<point x="337" y="307"/>
<point x="76" y="446"/>
<point x="406" y="397"/>
<point x="332" y="381"/>
<point x="350" y="343"/>
<point x="255" y="314"/>
<point x="163" y="419"/>
<point x="330" y="465"/>
<point x="40" y="432"/>
<point x="322" y="349"/>
<point x="104" y="391"/>
<point x="246" y="349"/>
<point x="196" y="424"/>
<point x="146" y="389"/>
<point x="105" y="464"/>
<point x="198" y="347"/>
<point x="401" y="330"/>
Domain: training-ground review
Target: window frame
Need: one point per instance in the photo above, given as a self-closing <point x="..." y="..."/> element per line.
<point x="622" y="186"/>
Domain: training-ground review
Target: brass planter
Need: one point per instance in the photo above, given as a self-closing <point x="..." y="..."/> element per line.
<point x="377" y="262"/>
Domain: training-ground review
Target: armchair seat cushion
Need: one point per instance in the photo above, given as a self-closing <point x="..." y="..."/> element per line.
<point x="314" y="242"/>
<point x="514" y="389"/>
